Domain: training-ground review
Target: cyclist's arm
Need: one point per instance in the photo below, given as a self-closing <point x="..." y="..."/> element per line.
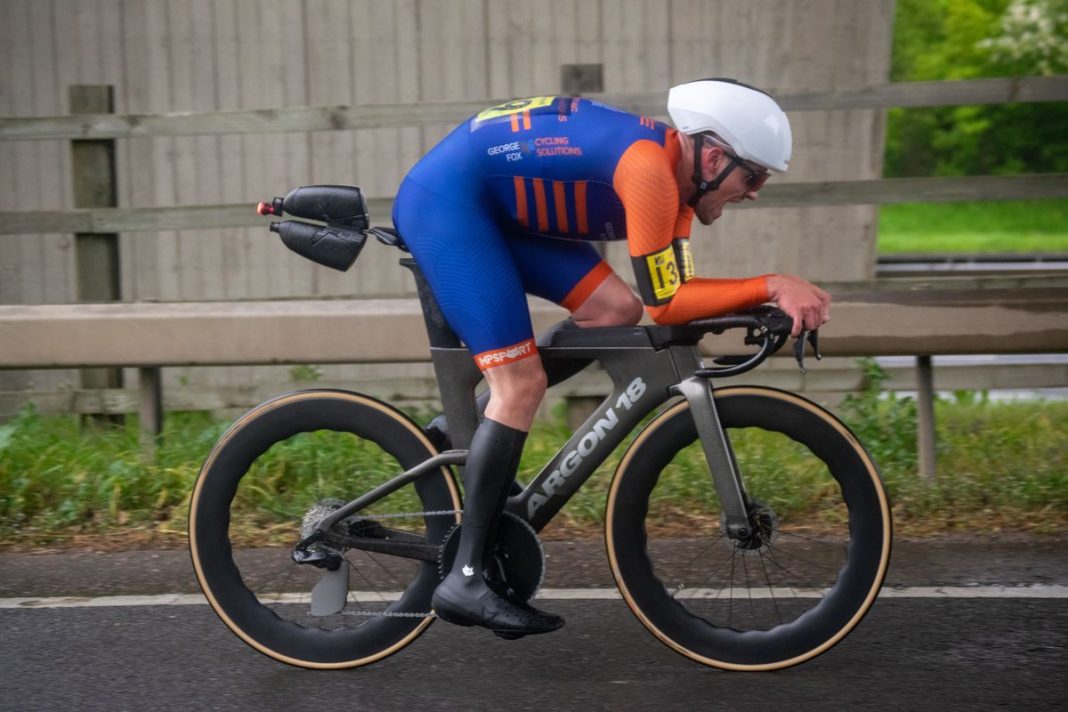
<point x="658" y="240"/>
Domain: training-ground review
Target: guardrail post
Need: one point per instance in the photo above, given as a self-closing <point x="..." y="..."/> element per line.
<point x="150" y="408"/>
<point x="925" y="418"/>
<point x="96" y="254"/>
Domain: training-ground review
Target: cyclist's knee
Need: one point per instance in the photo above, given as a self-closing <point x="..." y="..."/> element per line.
<point x="516" y="389"/>
<point x="613" y="303"/>
<point x="630" y="311"/>
<point x="524" y="381"/>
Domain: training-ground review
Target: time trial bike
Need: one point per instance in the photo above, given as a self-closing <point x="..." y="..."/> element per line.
<point x="746" y="527"/>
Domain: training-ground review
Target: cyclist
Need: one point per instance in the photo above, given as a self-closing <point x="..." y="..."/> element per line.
<point x="509" y="204"/>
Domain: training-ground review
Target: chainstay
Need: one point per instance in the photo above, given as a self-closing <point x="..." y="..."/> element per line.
<point x="400" y="515"/>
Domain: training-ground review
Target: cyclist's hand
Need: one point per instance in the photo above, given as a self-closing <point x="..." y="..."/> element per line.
<point x="808" y="305"/>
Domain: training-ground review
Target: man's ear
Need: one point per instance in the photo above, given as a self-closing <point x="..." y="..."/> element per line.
<point x="711" y="157"/>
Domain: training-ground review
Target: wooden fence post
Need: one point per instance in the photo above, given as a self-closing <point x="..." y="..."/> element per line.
<point x="925" y="419"/>
<point x="96" y="255"/>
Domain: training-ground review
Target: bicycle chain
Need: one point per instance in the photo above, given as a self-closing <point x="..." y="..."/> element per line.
<point x="387" y="614"/>
<point x="399" y="515"/>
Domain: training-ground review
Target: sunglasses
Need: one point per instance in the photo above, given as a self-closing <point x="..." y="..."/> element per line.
<point x="755" y="178"/>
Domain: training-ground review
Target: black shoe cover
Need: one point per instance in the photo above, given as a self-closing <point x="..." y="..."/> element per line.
<point x="465" y="597"/>
<point x="472" y="602"/>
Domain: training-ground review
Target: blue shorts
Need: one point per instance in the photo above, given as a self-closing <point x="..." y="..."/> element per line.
<point x="479" y="271"/>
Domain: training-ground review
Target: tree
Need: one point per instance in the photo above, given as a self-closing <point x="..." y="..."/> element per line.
<point x="965" y="39"/>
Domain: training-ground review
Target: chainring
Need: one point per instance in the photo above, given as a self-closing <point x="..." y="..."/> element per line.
<point x="518" y="554"/>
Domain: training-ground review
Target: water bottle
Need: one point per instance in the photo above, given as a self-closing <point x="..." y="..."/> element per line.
<point x="328" y="245"/>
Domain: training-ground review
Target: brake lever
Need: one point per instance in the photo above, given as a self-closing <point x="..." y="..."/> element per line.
<point x="799" y="347"/>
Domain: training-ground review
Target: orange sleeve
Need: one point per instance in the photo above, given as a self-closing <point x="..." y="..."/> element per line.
<point x="645" y="182"/>
<point x="701" y="298"/>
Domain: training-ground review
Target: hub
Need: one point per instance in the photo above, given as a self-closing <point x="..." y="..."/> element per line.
<point x="761" y="531"/>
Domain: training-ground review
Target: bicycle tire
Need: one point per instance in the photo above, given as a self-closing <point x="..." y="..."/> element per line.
<point x="655" y="573"/>
<point x="235" y="582"/>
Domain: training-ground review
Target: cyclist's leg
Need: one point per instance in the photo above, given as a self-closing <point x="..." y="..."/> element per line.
<point x="463" y="255"/>
<point x="613" y="303"/>
<point x="573" y="275"/>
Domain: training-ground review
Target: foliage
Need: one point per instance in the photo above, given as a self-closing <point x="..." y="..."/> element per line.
<point x="884" y="421"/>
<point x="988" y="226"/>
<point x="305" y="373"/>
<point x="56" y="475"/>
<point x="999" y="465"/>
<point x="969" y="39"/>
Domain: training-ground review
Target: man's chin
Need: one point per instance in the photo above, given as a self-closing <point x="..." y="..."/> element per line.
<point x="711" y="217"/>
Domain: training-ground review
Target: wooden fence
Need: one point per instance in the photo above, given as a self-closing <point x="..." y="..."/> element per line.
<point x="1029" y="317"/>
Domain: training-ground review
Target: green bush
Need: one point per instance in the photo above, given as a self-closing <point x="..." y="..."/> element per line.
<point x="969" y="39"/>
<point x="1000" y="465"/>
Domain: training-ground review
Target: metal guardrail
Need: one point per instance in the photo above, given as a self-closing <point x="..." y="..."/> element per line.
<point x="935" y="265"/>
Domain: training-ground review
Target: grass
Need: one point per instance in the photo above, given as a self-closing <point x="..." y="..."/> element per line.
<point x="1005" y="226"/>
<point x="1001" y="465"/>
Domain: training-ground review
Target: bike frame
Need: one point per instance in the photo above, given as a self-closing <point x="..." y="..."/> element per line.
<point x="646" y="369"/>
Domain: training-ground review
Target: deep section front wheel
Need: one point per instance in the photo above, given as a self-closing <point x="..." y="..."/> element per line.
<point x="818" y="545"/>
<point x="280" y="469"/>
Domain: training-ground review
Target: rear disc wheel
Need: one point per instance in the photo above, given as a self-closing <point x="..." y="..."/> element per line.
<point x="290" y="461"/>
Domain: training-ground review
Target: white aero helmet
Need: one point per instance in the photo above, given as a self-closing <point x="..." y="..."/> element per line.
<point x="747" y="119"/>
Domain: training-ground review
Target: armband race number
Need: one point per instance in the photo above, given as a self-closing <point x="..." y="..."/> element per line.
<point x="657" y="275"/>
<point x="684" y="257"/>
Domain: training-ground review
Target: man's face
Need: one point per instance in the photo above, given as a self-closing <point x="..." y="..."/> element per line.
<point x="734" y="189"/>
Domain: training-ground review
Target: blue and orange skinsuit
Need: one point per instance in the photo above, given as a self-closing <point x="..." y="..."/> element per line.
<point x="509" y="203"/>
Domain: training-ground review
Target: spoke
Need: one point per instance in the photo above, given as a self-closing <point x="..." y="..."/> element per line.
<point x="285" y="583"/>
<point x="389" y="574"/>
<point x="820" y="566"/>
<point x="805" y="537"/>
<point x="712" y="573"/>
<point x="730" y="602"/>
<point x="370" y="585"/>
<point x="771" y="590"/>
<point x="749" y="590"/>
<point x="792" y="579"/>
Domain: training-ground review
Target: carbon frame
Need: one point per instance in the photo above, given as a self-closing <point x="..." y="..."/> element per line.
<point x="644" y="375"/>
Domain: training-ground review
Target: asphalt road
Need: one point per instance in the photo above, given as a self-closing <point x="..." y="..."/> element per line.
<point x="910" y="653"/>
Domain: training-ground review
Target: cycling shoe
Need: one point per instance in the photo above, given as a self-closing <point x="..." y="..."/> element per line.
<point x="472" y="602"/>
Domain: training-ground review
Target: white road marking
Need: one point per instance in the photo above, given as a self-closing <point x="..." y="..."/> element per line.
<point x="571" y="594"/>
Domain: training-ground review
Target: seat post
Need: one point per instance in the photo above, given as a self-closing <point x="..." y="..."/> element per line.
<point x="454" y="369"/>
<point x="438" y="330"/>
